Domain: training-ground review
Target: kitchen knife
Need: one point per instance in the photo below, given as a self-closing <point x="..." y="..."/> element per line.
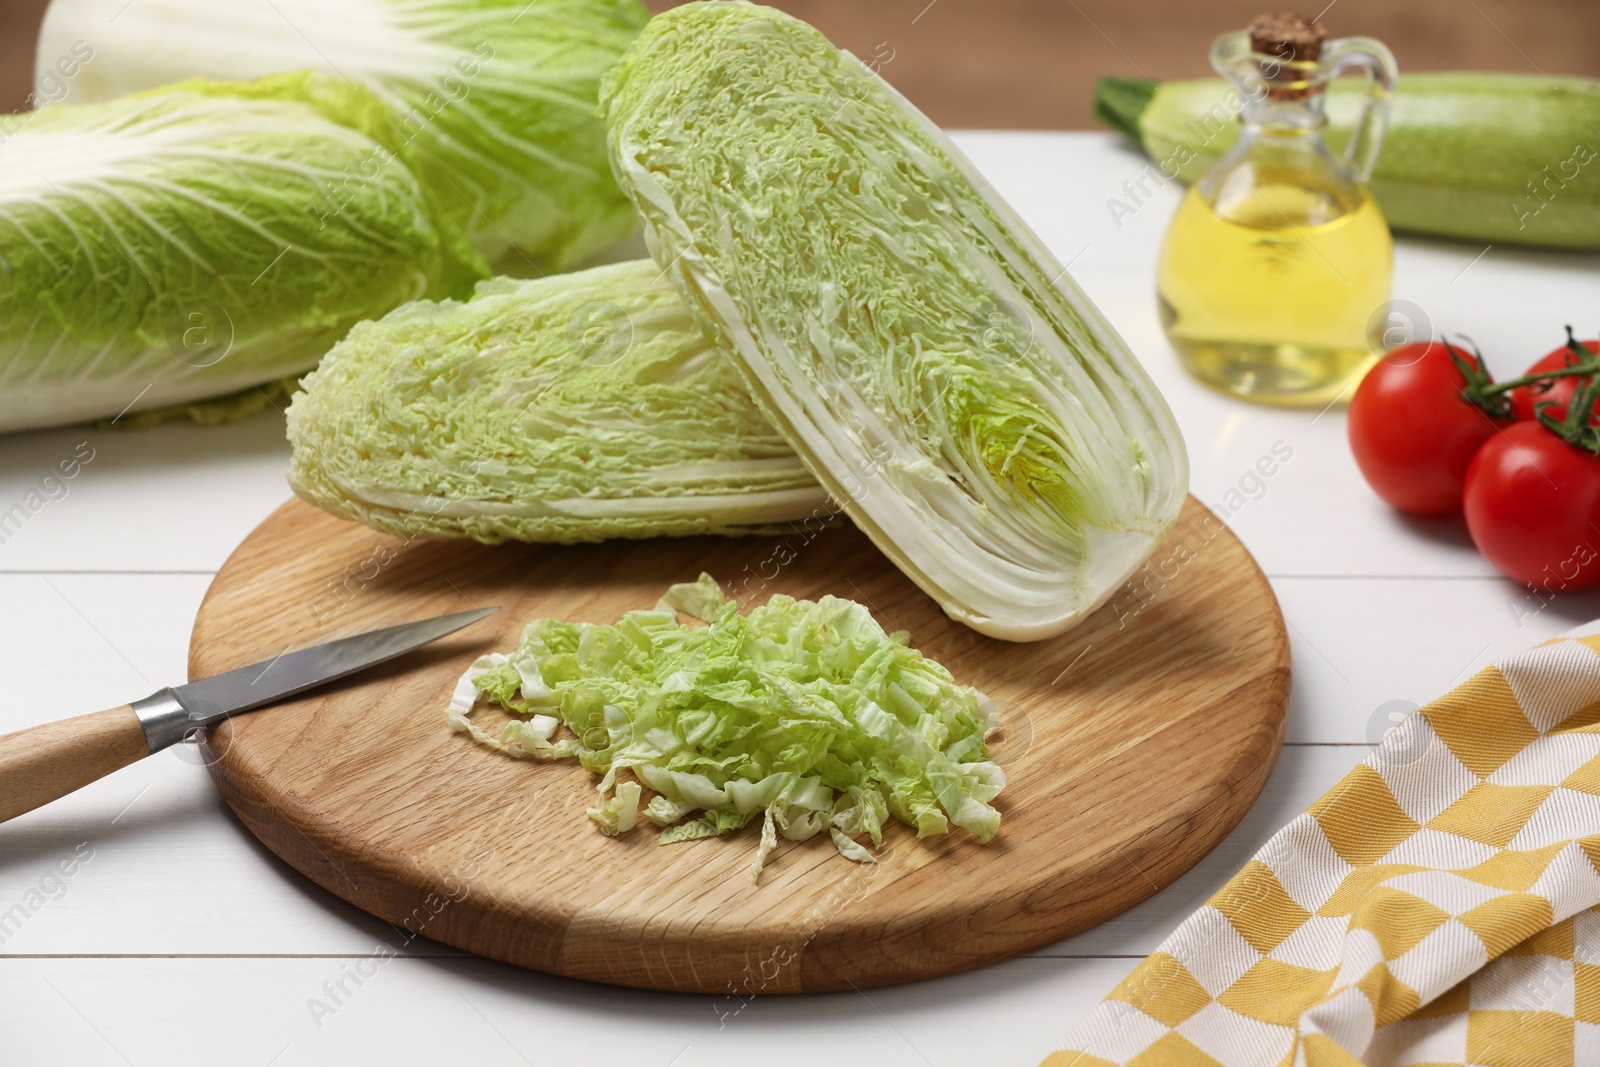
<point x="44" y="763"/>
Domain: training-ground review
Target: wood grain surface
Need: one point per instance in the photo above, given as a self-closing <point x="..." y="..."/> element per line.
<point x="1132" y="744"/>
<point x="47" y="762"/>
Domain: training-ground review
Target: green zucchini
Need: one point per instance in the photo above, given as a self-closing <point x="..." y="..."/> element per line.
<point x="1503" y="158"/>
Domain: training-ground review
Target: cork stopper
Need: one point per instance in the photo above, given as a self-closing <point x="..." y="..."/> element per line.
<point x="1291" y="39"/>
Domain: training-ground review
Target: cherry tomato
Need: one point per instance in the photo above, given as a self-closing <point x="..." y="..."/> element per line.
<point x="1533" y="507"/>
<point x="1413" y="433"/>
<point x="1524" y="398"/>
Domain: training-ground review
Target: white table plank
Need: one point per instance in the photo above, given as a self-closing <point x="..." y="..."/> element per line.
<point x="1360" y="644"/>
<point x="175" y="498"/>
<point x="255" y="1012"/>
<point x="77" y="643"/>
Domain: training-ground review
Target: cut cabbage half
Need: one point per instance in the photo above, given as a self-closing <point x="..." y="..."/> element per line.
<point x="572" y="408"/>
<point x="937" y="369"/>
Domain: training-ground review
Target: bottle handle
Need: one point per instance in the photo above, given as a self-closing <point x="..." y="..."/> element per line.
<point x="1374" y="58"/>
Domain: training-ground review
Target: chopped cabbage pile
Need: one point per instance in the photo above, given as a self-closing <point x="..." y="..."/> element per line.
<point x="803" y="714"/>
<point x="570" y="408"/>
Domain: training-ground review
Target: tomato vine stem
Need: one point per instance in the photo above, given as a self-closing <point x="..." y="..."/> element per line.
<point x="1484" y="393"/>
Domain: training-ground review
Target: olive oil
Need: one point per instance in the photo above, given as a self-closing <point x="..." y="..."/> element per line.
<point x="1276" y="291"/>
<point x="1274" y="278"/>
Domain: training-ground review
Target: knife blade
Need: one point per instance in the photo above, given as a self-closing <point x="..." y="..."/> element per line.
<point x="168" y="716"/>
<point x="41" y="764"/>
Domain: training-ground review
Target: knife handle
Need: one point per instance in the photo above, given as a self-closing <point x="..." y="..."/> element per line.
<point x="48" y="762"/>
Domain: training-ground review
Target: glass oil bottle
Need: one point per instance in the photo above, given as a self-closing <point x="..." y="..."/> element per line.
<point x="1276" y="268"/>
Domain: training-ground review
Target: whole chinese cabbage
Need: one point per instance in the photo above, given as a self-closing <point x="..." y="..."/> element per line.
<point x="938" y="370"/>
<point x="803" y="714"/>
<point x="497" y="96"/>
<point x="182" y="244"/>
<point x="569" y="408"/>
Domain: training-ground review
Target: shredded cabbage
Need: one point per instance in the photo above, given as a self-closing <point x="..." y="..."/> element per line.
<point x="938" y="370"/>
<point x="184" y="244"/>
<point x="497" y="97"/>
<point x="803" y="714"/>
<point x="571" y="408"/>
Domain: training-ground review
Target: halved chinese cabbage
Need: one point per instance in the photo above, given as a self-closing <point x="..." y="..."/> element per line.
<point x="496" y="96"/>
<point x="570" y="408"/>
<point x="935" y="366"/>
<point x="805" y="715"/>
<point x="183" y="244"/>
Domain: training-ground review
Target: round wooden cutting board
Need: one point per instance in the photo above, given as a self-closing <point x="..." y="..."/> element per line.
<point x="1132" y="745"/>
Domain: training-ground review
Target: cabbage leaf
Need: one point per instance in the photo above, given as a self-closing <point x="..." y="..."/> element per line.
<point x="804" y="715"/>
<point x="497" y="96"/>
<point x="937" y="369"/>
<point x="571" y="408"/>
<point x="188" y="243"/>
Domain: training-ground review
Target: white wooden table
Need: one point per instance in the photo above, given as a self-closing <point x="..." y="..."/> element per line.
<point x="177" y="939"/>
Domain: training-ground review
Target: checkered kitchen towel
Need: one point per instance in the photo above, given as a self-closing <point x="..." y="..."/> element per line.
<point x="1438" y="906"/>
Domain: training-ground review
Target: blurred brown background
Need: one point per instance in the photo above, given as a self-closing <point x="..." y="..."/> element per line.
<point x="1031" y="64"/>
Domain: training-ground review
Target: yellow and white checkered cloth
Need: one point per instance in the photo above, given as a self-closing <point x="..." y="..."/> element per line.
<point x="1433" y="908"/>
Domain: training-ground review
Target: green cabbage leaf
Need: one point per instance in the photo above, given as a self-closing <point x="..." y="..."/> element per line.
<point x="935" y="366"/>
<point x="183" y="244"/>
<point x="804" y="715"/>
<point x="498" y="97"/>
<point x="571" y="408"/>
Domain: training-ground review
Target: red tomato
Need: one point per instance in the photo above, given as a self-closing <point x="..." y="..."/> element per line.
<point x="1413" y="433"/>
<point x="1524" y="398"/>
<point x="1533" y="506"/>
